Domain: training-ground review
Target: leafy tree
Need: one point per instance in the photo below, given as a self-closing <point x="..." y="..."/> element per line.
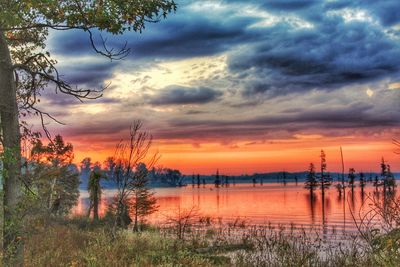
<point x="142" y="203"/>
<point x="311" y="182"/>
<point x="95" y="191"/>
<point x="170" y="176"/>
<point x="86" y="168"/>
<point x="27" y="69"/>
<point x="54" y="177"/>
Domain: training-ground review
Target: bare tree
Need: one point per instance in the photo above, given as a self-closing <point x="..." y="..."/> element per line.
<point x="126" y="172"/>
<point x="182" y="219"/>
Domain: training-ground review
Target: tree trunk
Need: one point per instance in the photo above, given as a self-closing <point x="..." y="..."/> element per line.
<point x="96" y="203"/>
<point x="11" y="144"/>
<point x="135" y="226"/>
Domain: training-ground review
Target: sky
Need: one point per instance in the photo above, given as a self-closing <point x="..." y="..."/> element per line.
<point x="242" y="86"/>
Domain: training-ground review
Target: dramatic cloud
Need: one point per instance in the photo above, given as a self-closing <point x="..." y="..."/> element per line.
<point x="179" y="95"/>
<point x="355" y="116"/>
<point x="186" y="34"/>
<point x="327" y="56"/>
<point x="256" y="71"/>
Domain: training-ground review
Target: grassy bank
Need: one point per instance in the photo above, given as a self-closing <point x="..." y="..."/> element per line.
<point x="72" y="243"/>
<point x="78" y="243"/>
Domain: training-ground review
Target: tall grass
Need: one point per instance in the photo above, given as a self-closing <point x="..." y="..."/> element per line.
<point x="205" y="242"/>
<point x="73" y="243"/>
<point x="76" y="242"/>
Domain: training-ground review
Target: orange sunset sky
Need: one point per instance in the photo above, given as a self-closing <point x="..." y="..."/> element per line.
<point x="242" y="86"/>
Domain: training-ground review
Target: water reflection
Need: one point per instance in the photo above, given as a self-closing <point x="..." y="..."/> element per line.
<point x="263" y="203"/>
<point x="311" y="199"/>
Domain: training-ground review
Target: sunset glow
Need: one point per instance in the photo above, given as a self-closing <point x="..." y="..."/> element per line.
<point x="242" y="87"/>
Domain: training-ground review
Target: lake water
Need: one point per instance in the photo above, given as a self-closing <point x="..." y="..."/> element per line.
<point x="271" y="204"/>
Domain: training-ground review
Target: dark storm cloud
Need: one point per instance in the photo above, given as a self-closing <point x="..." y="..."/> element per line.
<point x="179" y="95"/>
<point x="89" y="75"/>
<point x="330" y="55"/>
<point x="185" y="34"/>
<point x="355" y="116"/>
<point x="193" y="36"/>
<point x="288" y="5"/>
<point x="60" y="99"/>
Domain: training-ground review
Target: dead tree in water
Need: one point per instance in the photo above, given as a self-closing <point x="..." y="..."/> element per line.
<point x="311" y="182"/>
<point x="324" y="179"/>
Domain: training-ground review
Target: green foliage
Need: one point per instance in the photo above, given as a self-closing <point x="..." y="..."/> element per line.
<point x="142" y="203"/>
<point x="96" y="247"/>
<point x="109" y="15"/>
<point x="52" y="176"/>
<point x="386" y="248"/>
<point x="95" y="191"/>
<point x="25" y="25"/>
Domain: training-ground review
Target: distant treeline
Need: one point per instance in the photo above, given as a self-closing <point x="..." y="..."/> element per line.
<point x="165" y="177"/>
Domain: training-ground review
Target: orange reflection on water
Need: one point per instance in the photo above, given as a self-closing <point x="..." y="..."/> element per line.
<point x="270" y="203"/>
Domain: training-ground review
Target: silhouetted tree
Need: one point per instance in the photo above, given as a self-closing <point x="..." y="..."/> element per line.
<point x="94" y="189"/>
<point x="284" y="178"/>
<point x="324" y="178"/>
<point x="172" y="177"/>
<point x="389" y="179"/>
<point x="376" y="182"/>
<point x="311" y="182"/>
<point x="198" y="180"/>
<point x="352" y="177"/>
<point x="226" y="181"/>
<point x="217" y="181"/>
<point x="362" y="180"/>
<point x="383" y="174"/>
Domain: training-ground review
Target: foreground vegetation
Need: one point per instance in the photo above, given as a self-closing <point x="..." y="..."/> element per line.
<point x="79" y="242"/>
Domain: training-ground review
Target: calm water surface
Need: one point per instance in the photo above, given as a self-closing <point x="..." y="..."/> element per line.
<point x="268" y="204"/>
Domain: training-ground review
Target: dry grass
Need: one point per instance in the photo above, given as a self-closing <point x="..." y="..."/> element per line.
<point x="69" y="245"/>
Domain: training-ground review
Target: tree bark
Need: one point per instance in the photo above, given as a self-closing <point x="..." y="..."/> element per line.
<point x="96" y="202"/>
<point x="10" y="137"/>
<point x="135" y="226"/>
